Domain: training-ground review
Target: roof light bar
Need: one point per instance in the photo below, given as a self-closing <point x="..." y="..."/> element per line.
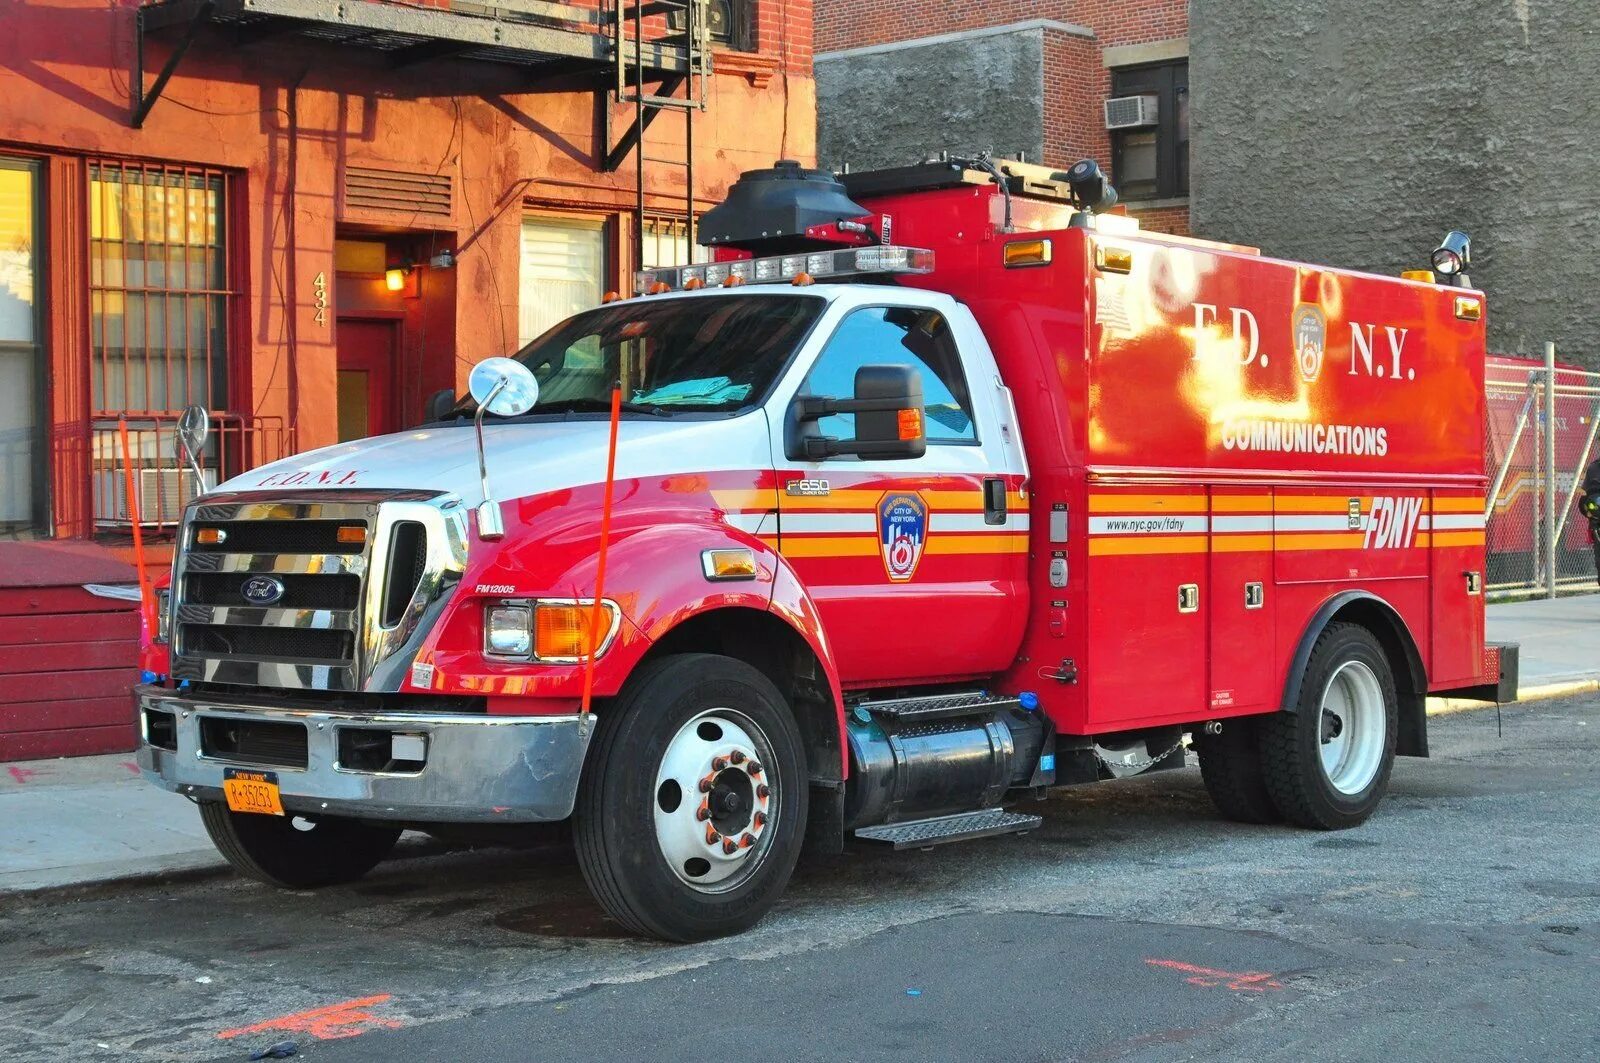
<point x="783" y="269"/>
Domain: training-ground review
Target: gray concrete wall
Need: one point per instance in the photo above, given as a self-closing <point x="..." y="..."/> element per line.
<point x="1356" y="133"/>
<point x="899" y="104"/>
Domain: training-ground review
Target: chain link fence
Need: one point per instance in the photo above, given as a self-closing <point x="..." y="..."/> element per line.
<point x="1542" y="421"/>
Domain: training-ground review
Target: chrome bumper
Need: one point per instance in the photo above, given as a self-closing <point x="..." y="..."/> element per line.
<point x="477" y="768"/>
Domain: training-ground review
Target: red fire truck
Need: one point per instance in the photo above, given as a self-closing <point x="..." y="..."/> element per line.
<point x="939" y="488"/>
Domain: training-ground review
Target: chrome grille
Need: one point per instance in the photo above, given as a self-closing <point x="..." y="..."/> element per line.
<point x="350" y="615"/>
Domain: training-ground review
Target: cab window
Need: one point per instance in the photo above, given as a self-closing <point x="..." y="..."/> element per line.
<point x="897" y="335"/>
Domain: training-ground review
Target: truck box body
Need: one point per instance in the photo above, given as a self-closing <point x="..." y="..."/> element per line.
<point x="1210" y="418"/>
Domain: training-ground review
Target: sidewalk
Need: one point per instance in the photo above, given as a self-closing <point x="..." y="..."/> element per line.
<point x="92" y="819"/>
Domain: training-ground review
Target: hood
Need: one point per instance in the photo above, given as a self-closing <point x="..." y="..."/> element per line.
<point x="524" y="459"/>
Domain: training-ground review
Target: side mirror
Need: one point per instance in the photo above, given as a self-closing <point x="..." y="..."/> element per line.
<point x="503" y="386"/>
<point x="439" y="405"/>
<point x="194" y="428"/>
<point x="889" y="418"/>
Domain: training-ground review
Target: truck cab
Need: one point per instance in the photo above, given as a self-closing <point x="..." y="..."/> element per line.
<point x="837" y="536"/>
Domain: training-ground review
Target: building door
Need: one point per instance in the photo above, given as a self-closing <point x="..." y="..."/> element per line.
<point x="22" y="477"/>
<point x="368" y="350"/>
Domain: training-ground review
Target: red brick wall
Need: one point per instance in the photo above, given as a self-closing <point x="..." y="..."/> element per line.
<point x="853" y="23"/>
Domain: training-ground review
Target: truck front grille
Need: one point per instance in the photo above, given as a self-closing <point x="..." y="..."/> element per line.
<point x="336" y="591"/>
<point x="254" y="741"/>
<point x="281" y="599"/>
<point x="292" y="645"/>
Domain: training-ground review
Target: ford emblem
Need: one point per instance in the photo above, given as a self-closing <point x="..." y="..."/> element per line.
<point x="262" y="590"/>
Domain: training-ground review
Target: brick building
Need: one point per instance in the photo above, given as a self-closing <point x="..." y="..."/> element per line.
<point x="306" y="216"/>
<point x="898" y="82"/>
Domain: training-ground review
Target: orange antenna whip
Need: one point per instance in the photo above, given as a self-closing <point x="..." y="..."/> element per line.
<point x="605" y="538"/>
<point x="147" y="599"/>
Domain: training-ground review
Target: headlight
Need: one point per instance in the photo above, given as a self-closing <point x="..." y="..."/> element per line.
<point x="549" y="630"/>
<point x="508" y="630"/>
<point x="163" y="614"/>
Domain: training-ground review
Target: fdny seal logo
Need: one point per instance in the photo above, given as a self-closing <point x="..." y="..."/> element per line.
<point x="902" y="531"/>
<point x="1310" y="331"/>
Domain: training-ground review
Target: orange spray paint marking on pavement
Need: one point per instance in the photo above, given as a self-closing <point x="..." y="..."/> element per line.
<point x="600" y="565"/>
<point x="21" y="775"/>
<point x="334" y="1022"/>
<point x="1246" y="982"/>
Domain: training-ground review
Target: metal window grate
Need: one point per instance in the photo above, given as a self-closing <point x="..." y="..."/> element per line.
<point x="396" y="191"/>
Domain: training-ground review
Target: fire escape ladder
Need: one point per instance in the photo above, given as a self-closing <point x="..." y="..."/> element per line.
<point x="687" y="29"/>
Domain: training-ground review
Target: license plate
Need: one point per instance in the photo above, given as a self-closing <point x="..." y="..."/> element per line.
<point x="252" y="791"/>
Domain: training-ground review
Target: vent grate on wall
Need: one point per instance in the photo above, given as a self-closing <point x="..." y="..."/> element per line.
<point x="396" y="191"/>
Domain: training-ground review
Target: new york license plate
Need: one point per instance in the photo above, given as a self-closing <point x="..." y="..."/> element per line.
<point x="252" y="791"/>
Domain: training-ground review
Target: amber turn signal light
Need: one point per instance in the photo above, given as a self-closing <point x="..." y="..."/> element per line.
<point x="1468" y="308"/>
<point x="211" y="536"/>
<point x="563" y="631"/>
<point x="910" y="424"/>
<point x="1113" y="259"/>
<point x="735" y="563"/>
<point x="352" y="533"/>
<point x="1026" y="253"/>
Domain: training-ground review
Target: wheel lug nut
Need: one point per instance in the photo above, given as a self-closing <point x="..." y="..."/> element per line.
<point x="705" y="785"/>
<point x="747" y="841"/>
<point x="754" y="768"/>
<point x="718" y="763"/>
<point x="702" y="813"/>
<point x="760" y="819"/>
<point x="737" y="756"/>
<point x="762" y="791"/>
<point x="730" y="846"/>
<point x="712" y="837"/>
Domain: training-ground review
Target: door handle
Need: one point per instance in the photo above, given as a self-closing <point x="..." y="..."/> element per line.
<point x="994" y="500"/>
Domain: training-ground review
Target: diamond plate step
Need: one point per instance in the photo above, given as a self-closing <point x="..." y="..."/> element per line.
<point x="939" y="706"/>
<point x="941" y="830"/>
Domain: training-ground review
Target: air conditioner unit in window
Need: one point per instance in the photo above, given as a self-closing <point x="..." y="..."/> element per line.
<point x="1130" y="112"/>
<point x="163" y="493"/>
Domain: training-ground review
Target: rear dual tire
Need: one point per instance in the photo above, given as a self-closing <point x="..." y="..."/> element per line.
<point x="1324" y="766"/>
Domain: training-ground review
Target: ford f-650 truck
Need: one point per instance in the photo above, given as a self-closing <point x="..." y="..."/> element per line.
<point x="939" y="487"/>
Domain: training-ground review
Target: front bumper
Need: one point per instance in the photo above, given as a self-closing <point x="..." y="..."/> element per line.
<point x="476" y="768"/>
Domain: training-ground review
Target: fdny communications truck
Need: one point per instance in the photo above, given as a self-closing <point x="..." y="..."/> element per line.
<point x="936" y="490"/>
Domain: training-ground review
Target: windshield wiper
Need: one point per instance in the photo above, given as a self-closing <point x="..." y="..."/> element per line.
<point x="589" y="405"/>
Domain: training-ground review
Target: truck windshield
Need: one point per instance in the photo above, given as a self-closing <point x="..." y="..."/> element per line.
<point x="676" y="355"/>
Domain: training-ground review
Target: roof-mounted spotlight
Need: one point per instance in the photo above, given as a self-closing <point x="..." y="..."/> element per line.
<point x="1453" y="257"/>
<point x="1091" y="190"/>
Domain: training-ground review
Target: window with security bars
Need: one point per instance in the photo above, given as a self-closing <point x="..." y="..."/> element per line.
<point x="159" y="289"/>
<point x="666" y="243"/>
<point x="160" y="301"/>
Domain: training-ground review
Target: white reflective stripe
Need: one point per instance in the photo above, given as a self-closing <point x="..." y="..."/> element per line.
<point x="1241" y="524"/>
<point x="974" y="522"/>
<point x="1456" y="521"/>
<point x="1424" y="522"/>
<point x="1314" y="522"/>
<point x="1146" y="524"/>
<point x="745" y="522"/>
<point x="828" y="522"/>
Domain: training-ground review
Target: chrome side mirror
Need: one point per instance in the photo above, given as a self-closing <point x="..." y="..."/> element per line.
<point x="506" y="388"/>
<point x="194" y="428"/>
<point x="503" y="386"/>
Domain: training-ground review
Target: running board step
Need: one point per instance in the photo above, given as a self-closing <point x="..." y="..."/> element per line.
<point x="940" y="706"/>
<point x="941" y="830"/>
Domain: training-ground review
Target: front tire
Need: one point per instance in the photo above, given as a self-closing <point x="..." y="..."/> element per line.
<point x="295" y="852"/>
<point x="693" y="801"/>
<point x="1326" y="765"/>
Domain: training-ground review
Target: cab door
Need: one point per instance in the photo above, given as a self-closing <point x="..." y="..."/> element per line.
<point x="917" y="566"/>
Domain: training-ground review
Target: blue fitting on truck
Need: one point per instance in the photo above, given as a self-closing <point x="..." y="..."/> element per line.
<point x="1028" y="700"/>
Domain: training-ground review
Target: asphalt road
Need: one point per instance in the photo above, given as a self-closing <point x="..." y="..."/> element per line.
<point x="1462" y="922"/>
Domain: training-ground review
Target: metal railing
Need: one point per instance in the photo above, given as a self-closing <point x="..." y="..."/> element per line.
<point x="1540" y="437"/>
<point x="144" y="481"/>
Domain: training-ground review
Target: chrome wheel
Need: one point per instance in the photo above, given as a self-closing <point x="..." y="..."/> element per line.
<point x="1352" y="727"/>
<point x="715" y="800"/>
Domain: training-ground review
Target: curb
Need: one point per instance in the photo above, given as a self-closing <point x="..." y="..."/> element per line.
<point x="1451" y="706"/>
